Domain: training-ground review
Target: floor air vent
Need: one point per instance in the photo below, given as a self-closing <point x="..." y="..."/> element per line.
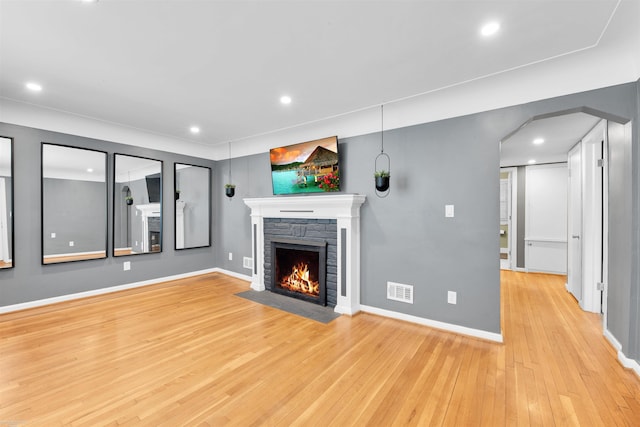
<point x="400" y="292"/>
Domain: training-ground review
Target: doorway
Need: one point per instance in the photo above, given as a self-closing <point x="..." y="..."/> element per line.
<point x="508" y="218"/>
<point x="575" y="141"/>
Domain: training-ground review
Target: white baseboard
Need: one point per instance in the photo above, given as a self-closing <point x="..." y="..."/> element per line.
<point x="233" y="274"/>
<point x="622" y="358"/>
<point x="70" y="297"/>
<point x="477" y="333"/>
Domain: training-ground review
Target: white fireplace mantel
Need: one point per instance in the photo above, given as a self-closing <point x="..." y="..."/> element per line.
<point x="149" y="210"/>
<point x="344" y="208"/>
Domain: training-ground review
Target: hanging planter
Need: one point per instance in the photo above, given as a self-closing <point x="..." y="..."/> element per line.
<point x="177" y="194"/>
<point x="382" y="164"/>
<point x="230" y="190"/>
<point x="128" y="200"/>
<point x="382" y="180"/>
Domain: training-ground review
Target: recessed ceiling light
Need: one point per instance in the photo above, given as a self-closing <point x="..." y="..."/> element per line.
<point x="89" y="170"/>
<point x="490" y="28"/>
<point x="89" y="1"/>
<point x="194" y="129"/>
<point x="538" y="141"/>
<point x="285" y="99"/>
<point x="34" y="87"/>
<point x="532" y="162"/>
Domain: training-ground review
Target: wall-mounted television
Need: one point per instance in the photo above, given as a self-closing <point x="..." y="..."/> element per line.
<point x="307" y="167"/>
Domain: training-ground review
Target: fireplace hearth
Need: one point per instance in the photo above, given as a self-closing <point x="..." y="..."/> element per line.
<point x="299" y="269"/>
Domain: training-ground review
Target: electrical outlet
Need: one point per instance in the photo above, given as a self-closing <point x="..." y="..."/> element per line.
<point x="126" y="266"/>
<point x="53" y="235"/>
<point x="449" y="211"/>
<point x="71" y="243"/>
<point x="230" y="256"/>
<point x="452" y="297"/>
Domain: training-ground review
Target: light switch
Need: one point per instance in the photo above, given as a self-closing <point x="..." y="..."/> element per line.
<point x="452" y="297"/>
<point x="53" y="235"/>
<point x="448" y="211"/>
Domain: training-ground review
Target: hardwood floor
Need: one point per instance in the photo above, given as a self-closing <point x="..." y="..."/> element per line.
<point x="189" y="352"/>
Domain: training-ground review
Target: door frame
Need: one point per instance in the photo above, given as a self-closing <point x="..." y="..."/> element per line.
<point x="594" y="227"/>
<point x="513" y="216"/>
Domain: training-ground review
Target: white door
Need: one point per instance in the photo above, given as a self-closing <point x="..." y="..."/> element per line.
<point x="591" y="239"/>
<point x="574" y="211"/>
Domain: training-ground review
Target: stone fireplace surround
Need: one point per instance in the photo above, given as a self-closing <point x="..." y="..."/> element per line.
<point x="308" y="231"/>
<point x="344" y="209"/>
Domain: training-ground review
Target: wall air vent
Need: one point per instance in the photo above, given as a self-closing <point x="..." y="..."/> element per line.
<point x="400" y="292"/>
<point x="247" y="263"/>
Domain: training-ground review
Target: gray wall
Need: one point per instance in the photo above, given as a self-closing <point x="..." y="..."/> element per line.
<point x="620" y="239"/>
<point x="252" y="176"/>
<point x="30" y="281"/>
<point x="76" y="211"/>
<point x="8" y="183"/>
<point x="635" y="233"/>
<point x="194" y="186"/>
<point x="127" y="223"/>
<point x="405" y="237"/>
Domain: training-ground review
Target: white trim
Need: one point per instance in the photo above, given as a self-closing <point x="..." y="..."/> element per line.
<point x="449" y="327"/>
<point x="612" y="340"/>
<point x="622" y="358"/>
<point x="232" y="274"/>
<point x="512" y="250"/>
<point x="605" y="229"/>
<point x="101" y="291"/>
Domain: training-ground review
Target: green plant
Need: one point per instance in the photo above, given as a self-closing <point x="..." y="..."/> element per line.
<point x="381" y="174"/>
<point x="229" y="186"/>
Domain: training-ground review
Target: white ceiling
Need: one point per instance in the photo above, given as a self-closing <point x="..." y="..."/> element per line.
<point x="163" y="66"/>
<point x="560" y="134"/>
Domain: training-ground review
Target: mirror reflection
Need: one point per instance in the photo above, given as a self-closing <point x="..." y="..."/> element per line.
<point x="192" y="206"/>
<point x="6" y="203"/>
<point x="137" y="205"/>
<point x="74" y="204"/>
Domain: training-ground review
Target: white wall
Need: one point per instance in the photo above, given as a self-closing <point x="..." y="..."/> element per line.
<point x="546" y="218"/>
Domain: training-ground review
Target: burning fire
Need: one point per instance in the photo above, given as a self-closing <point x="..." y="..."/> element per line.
<point x="298" y="281"/>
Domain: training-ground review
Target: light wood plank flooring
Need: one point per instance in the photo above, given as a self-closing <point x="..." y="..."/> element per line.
<point x="189" y="352"/>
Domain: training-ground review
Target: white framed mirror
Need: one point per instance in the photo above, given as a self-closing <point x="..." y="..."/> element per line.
<point x="192" y="188"/>
<point x="6" y="203"/>
<point x="137" y="205"/>
<point x="74" y="204"/>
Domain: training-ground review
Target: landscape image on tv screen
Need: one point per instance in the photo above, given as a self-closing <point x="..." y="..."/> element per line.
<point x="307" y="167"/>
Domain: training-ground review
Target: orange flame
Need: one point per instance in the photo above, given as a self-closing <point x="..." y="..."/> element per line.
<point x="298" y="281"/>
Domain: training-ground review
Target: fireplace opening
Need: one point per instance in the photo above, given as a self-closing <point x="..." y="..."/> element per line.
<point x="299" y="269"/>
